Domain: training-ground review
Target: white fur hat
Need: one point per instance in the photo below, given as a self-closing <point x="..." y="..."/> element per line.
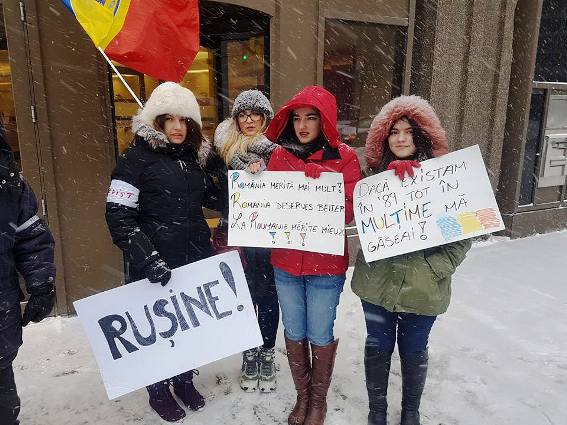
<point x="170" y="98"/>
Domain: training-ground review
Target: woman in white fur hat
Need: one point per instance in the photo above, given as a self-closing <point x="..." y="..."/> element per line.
<point x="240" y="141"/>
<point x="154" y="207"/>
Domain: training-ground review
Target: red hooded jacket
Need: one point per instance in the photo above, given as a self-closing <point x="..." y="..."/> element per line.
<point x="339" y="158"/>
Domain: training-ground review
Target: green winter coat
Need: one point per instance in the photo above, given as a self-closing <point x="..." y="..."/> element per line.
<point x="418" y="282"/>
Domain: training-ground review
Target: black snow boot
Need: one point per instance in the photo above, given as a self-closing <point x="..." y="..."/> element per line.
<point x="9" y="400"/>
<point x="163" y="402"/>
<point x="186" y="391"/>
<point x="377" y="369"/>
<point x="414" y="373"/>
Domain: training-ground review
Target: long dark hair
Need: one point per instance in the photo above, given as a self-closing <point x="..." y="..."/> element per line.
<point x="194" y="136"/>
<point x="423" y="146"/>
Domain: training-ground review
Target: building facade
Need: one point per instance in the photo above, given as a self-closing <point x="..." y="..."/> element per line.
<point x="495" y="70"/>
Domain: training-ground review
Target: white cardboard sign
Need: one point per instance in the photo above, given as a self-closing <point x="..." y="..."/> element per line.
<point x="142" y="333"/>
<point x="277" y="209"/>
<point x="449" y="199"/>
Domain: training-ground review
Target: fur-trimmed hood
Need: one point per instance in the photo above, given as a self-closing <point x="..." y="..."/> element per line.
<point x="413" y="107"/>
<point x="170" y="98"/>
<point x="156" y="140"/>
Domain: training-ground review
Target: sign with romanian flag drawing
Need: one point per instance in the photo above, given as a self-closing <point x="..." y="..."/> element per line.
<point x="278" y="209"/>
<point x="448" y="199"/>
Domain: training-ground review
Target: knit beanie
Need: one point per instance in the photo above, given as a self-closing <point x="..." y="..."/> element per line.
<point x="253" y="100"/>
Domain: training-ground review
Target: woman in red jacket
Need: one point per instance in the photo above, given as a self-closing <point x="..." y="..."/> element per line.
<point x="309" y="284"/>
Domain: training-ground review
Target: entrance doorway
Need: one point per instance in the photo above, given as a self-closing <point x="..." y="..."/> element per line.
<point x="233" y="57"/>
<point x="7" y="108"/>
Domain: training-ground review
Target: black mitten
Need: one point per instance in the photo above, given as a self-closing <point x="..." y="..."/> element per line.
<point x="158" y="272"/>
<point x="40" y="304"/>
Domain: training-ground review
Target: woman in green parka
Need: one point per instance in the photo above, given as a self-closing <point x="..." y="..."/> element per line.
<point x="408" y="291"/>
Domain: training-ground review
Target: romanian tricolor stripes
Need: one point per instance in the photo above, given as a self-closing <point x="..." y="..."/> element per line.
<point x="156" y="37"/>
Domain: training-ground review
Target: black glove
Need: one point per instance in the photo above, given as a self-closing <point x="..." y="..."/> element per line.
<point x="40" y="304"/>
<point x="158" y="272"/>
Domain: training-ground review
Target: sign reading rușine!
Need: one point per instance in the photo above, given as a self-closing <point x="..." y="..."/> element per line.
<point x="287" y="210"/>
<point x="449" y="199"/>
<point x="142" y="333"/>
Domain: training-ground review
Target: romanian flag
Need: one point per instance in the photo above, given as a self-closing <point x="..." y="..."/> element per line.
<point x="159" y="38"/>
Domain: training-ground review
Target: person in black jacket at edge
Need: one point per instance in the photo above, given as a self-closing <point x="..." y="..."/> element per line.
<point x="154" y="207"/>
<point x="26" y="247"/>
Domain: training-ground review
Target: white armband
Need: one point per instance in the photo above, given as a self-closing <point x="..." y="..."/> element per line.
<point x="123" y="193"/>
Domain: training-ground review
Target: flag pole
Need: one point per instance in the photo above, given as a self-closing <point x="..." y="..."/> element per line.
<point x="121" y="77"/>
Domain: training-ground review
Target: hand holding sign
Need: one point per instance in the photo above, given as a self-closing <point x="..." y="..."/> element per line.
<point x="448" y="199"/>
<point x="403" y="167"/>
<point x="286" y="210"/>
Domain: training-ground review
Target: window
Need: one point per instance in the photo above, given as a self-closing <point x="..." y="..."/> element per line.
<point x="551" y="51"/>
<point x="7" y="110"/>
<point x="544" y="170"/>
<point x="363" y="66"/>
<point x="199" y="79"/>
<point x="245" y="67"/>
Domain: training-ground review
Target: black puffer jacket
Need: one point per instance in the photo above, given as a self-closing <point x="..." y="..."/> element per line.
<point x="26" y="246"/>
<point x="154" y="207"/>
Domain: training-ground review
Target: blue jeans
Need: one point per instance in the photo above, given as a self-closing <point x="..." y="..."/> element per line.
<point x="309" y="305"/>
<point x="413" y="329"/>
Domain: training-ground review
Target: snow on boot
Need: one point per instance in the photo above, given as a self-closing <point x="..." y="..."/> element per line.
<point x="163" y="402"/>
<point x="186" y="391"/>
<point x="414" y="373"/>
<point x="377" y="370"/>
<point x="267" y="367"/>
<point x="249" y="372"/>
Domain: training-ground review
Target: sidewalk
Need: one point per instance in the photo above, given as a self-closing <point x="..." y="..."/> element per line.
<point x="498" y="357"/>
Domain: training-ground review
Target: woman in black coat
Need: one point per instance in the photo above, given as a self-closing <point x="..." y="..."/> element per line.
<point x="155" y="207"/>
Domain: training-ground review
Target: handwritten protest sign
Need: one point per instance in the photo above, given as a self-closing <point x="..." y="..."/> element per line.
<point x="142" y="333"/>
<point x="449" y="199"/>
<point x="286" y="210"/>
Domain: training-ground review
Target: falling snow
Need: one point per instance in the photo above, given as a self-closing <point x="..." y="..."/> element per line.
<point x="497" y="357"/>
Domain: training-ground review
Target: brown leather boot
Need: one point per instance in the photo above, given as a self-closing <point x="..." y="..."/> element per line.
<point x="300" y="365"/>
<point x="322" y="370"/>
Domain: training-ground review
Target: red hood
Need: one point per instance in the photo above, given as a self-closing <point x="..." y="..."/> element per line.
<point x="315" y="97"/>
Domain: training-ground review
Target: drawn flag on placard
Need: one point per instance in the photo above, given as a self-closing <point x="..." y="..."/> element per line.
<point x="158" y="38"/>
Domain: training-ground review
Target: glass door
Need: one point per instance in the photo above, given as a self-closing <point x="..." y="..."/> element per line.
<point x="7" y="109"/>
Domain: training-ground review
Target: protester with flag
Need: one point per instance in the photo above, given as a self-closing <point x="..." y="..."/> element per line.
<point x="155" y="207"/>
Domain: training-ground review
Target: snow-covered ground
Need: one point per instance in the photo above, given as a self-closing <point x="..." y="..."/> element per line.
<point x="498" y="356"/>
